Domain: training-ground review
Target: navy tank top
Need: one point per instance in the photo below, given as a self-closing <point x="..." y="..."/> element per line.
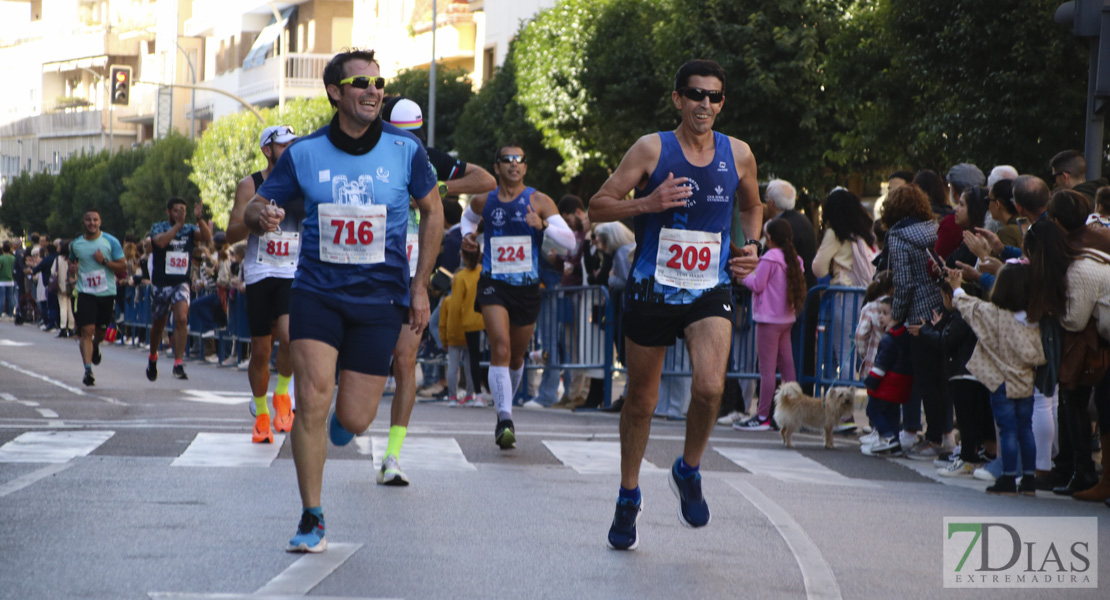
<point x="512" y="246"/>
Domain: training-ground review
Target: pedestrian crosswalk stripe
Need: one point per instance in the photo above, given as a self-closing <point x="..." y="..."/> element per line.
<point x="787" y="466"/>
<point x="592" y="458"/>
<point x="419" y="453"/>
<point x="52" y="446"/>
<point x="228" y="450"/>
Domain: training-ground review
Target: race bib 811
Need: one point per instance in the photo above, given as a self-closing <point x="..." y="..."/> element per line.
<point x="279" y="249"/>
<point x="352" y="234"/>
<point x="688" y="259"/>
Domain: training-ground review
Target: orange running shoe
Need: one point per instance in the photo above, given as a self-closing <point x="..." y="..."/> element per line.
<point x="262" y="433"/>
<point x="283" y="406"/>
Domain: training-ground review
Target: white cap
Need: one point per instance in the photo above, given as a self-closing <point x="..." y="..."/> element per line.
<point x="406" y="115"/>
<point x="281" y="134"/>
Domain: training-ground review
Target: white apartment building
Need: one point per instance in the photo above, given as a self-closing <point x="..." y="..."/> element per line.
<point x="55" y="62"/>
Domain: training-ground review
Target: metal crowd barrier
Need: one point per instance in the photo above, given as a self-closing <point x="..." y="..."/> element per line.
<point x="580" y="328"/>
<point x="231" y="338"/>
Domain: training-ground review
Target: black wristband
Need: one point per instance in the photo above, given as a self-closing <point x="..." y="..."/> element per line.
<point x="758" y="246"/>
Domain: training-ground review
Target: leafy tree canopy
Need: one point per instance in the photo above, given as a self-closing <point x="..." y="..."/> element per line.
<point x="453" y="91"/>
<point x="164" y="173"/>
<point x="26" y="205"/>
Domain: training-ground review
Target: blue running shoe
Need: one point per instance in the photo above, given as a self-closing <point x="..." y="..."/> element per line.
<point x="622" y="534"/>
<point x="338" y="435"/>
<point x="692" y="509"/>
<point x="310" y="535"/>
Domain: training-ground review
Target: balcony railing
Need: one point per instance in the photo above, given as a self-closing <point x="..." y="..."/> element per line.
<point x="303" y="74"/>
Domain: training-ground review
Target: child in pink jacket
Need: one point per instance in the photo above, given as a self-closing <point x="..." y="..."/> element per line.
<point x="778" y="293"/>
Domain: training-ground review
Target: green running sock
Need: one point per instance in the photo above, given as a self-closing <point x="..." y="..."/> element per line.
<point x="260" y="407"/>
<point x="396" y="438"/>
<point x="282" y="388"/>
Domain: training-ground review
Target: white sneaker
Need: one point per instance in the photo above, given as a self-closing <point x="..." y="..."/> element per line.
<point x="983" y="474"/>
<point x="477" y="402"/>
<point x="732" y="418"/>
<point x="958" y="468"/>
<point x="533" y="405"/>
<point x="390" y="385"/>
<point x="869" y="439"/>
<point x="883" y="447"/>
<point x="907" y="439"/>
<point x="391" y="473"/>
<point x="538" y="356"/>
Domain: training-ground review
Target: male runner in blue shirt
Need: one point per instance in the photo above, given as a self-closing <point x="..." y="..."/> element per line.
<point x="685" y="182"/>
<point x="355" y="176"/>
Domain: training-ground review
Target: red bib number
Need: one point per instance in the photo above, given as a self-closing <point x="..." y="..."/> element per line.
<point x="177" y="263"/>
<point x="279" y="249"/>
<point x="688" y="259"/>
<point x="352" y="234"/>
<point x="93" y="282"/>
<point x="511" y="254"/>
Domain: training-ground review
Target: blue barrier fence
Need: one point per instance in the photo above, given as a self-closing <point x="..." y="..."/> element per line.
<point x="580" y="328"/>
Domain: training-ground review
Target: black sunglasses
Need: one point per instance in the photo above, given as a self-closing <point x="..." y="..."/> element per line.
<point x="363" y="82"/>
<point x="698" y="94"/>
<point x="512" y="158"/>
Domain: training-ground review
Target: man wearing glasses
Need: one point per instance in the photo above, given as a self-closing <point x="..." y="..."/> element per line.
<point x="351" y="289"/>
<point x="516" y="219"/>
<point x="684" y="183"/>
<point x="268" y="270"/>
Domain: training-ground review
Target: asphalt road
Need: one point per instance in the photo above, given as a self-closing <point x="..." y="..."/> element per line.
<point x="132" y="489"/>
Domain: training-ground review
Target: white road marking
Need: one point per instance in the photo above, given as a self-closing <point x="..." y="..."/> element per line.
<point x="47" y="413"/>
<point x="52" y="381"/>
<point x="21" y="482"/>
<point x="294" y="583"/>
<point x="592" y="458"/>
<point x="788" y="466"/>
<point x="228" y="450"/>
<point x="8" y="397"/>
<point x="216" y="397"/>
<point x="52" y="446"/>
<point x="13" y="343"/>
<point x="422" y="454"/>
<point x="817" y="575"/>
<point x="308" y="571"/>
<point x="929" y="471"/>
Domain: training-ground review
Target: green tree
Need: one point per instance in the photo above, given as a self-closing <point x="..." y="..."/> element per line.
<point x="102" y="186"/>
<point x="955" y="81"/>
<point x="66" y="201"/>
<point x="164" y="173"/>
<point x="772" y="52"/>
<point x="453" y="90"/>
<point x="26" y="204"/>
<point x="495" y="116"/>
<point x="228" y="150"/>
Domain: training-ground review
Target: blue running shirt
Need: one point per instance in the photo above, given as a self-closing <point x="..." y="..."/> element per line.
<point x="682" y="253"/>
<point x="356" y="213"/>
<point x="512" y="246"/>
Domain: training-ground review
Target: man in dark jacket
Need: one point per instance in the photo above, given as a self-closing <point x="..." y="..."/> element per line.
<point x="1069" y="169"/>
<point x="781" y="197"/>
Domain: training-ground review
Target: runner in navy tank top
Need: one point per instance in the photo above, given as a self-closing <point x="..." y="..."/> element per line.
<point x="685" y="182"/>
<point x="516" y="218"/>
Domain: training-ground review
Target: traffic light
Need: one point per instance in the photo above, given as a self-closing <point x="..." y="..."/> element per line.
<point x="121" y="84"/>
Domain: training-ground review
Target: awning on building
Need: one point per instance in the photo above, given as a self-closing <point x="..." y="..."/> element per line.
<point x="89" y="62"/>
<point x="266" y="39"/>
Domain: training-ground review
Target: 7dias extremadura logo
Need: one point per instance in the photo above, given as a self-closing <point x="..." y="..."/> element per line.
<point x="1021" y="552"/>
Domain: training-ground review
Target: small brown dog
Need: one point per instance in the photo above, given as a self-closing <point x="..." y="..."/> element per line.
<point x="794" y="410"/>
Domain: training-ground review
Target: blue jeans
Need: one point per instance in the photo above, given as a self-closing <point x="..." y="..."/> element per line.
<point x="7" y="300"/>
<point x="885" y="416"/>
<point x="1015" y="432"/>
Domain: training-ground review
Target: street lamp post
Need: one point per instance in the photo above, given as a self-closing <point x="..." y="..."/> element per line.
<point x="432" y="85"/>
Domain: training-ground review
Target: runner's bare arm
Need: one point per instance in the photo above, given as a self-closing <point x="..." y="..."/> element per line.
<point x="610" y="203"/>
<point x="431" y="238"/>
<point x="475" y="180"/>
<point x="236" y="228"/>
<point x="163" y="239"/>
<point x="261" y="217"/>
<point x="203" y="232"/>
<point x="751" y="209"/>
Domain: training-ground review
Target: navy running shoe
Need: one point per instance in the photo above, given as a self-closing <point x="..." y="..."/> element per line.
<point x="336" y="433"/>
<point x="96" y="354"/>
<point x="692" y="509"/>
<point x="310" y="535"/>
<point x="622" y="533"/>
<point x="505" y="434"/>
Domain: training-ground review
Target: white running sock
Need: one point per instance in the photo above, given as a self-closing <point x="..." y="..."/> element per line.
<point x="500" y="383"/>
<point x="517" y="375"/>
